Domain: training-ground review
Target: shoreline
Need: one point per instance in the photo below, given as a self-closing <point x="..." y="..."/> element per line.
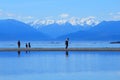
<point x="59" y="49"/>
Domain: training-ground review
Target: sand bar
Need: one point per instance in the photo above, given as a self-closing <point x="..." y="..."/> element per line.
<point x="60" y="49"/>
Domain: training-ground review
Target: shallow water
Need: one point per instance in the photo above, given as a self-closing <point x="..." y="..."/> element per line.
<point x="57" y="44"/>
<point x="59" y="65"/>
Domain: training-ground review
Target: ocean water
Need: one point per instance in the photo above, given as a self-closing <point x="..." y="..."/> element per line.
<point x="57" y="44"/>
<point x="60" y="65"/>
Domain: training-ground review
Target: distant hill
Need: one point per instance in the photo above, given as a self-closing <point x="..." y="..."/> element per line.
<point x="56" y="30"/>
<point x="15" y="30"/>
<point x="106" y="30"/>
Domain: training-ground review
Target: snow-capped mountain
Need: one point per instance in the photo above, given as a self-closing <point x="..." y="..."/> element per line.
<point x="63" y="26"/>
<point x="106" y="30"/>
<point x="15" y="30"/>
<point x="89" y="21"/>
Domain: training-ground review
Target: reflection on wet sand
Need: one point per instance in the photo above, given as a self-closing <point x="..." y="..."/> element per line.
<point x="18" y="53"/>
<point x="67" y="54"/>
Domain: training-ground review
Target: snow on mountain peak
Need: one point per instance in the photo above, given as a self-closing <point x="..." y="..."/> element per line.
<point x="61" y="21"/>
<point x="89" y="21"/>
<point x="73" y="21"/>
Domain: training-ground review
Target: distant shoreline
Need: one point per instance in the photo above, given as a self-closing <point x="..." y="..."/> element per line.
<point x="116" y="42"/>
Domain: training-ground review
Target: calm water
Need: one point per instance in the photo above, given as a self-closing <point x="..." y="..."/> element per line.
<point x="60" y="66"/>
<point x="59" y="44"/>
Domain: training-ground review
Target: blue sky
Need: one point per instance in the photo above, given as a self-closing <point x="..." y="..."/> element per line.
<point x="37" y="9"/>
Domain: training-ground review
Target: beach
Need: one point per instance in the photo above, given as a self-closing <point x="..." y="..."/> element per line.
<point x="60" y="49"/>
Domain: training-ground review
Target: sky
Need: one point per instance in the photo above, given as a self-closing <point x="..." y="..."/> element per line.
<point x="30" y="10"/>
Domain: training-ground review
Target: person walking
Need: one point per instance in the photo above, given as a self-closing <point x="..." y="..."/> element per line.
<point x="66" y="43"/>
<point x="18" y="43"/>
<point x="26" y="45"/>
<point x="29" y="45"/>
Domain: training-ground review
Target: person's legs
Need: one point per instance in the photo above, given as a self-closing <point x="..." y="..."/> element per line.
<point x="66" y="46"/>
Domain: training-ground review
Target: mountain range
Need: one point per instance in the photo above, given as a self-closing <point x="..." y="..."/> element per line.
<point x="56" y="30"/>
<point x="106" y="30"/>
<point x="15" y="30"/>
<point x="73" y="21"/>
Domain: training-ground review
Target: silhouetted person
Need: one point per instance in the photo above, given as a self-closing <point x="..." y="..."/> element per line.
<point x="18" y="43"/>
<point x="29" y="45"/>
<point x="66" y="43"/>
<point x="26" y="46"/>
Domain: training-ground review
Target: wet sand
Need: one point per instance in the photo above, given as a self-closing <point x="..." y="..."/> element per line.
<point x="60" y="49"/>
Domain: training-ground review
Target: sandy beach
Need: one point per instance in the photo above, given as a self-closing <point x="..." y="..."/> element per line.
<point x="59" y="49"/>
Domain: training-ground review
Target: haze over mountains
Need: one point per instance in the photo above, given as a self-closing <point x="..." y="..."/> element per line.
<point x="15" y="30"/>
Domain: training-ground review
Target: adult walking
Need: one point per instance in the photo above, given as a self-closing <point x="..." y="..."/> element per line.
<point x="67" y="43"/>
<point x="26" y="47"/>
<point x="29" y="45"/>
<point x="18" y="43"/>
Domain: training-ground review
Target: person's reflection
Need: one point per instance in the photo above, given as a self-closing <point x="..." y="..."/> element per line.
<point x="18" y="53"/>
<point x="67" y="53"/>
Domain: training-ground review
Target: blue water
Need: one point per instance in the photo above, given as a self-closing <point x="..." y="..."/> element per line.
<point x="57" y="44"/>
<point x="59" y="66"/>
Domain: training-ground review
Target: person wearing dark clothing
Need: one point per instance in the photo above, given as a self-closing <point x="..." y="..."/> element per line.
<point x="29" y="45"/>
<point x="66" y="43"/>
<point x="18" y="43"/>
<point x="26" y="45"/>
